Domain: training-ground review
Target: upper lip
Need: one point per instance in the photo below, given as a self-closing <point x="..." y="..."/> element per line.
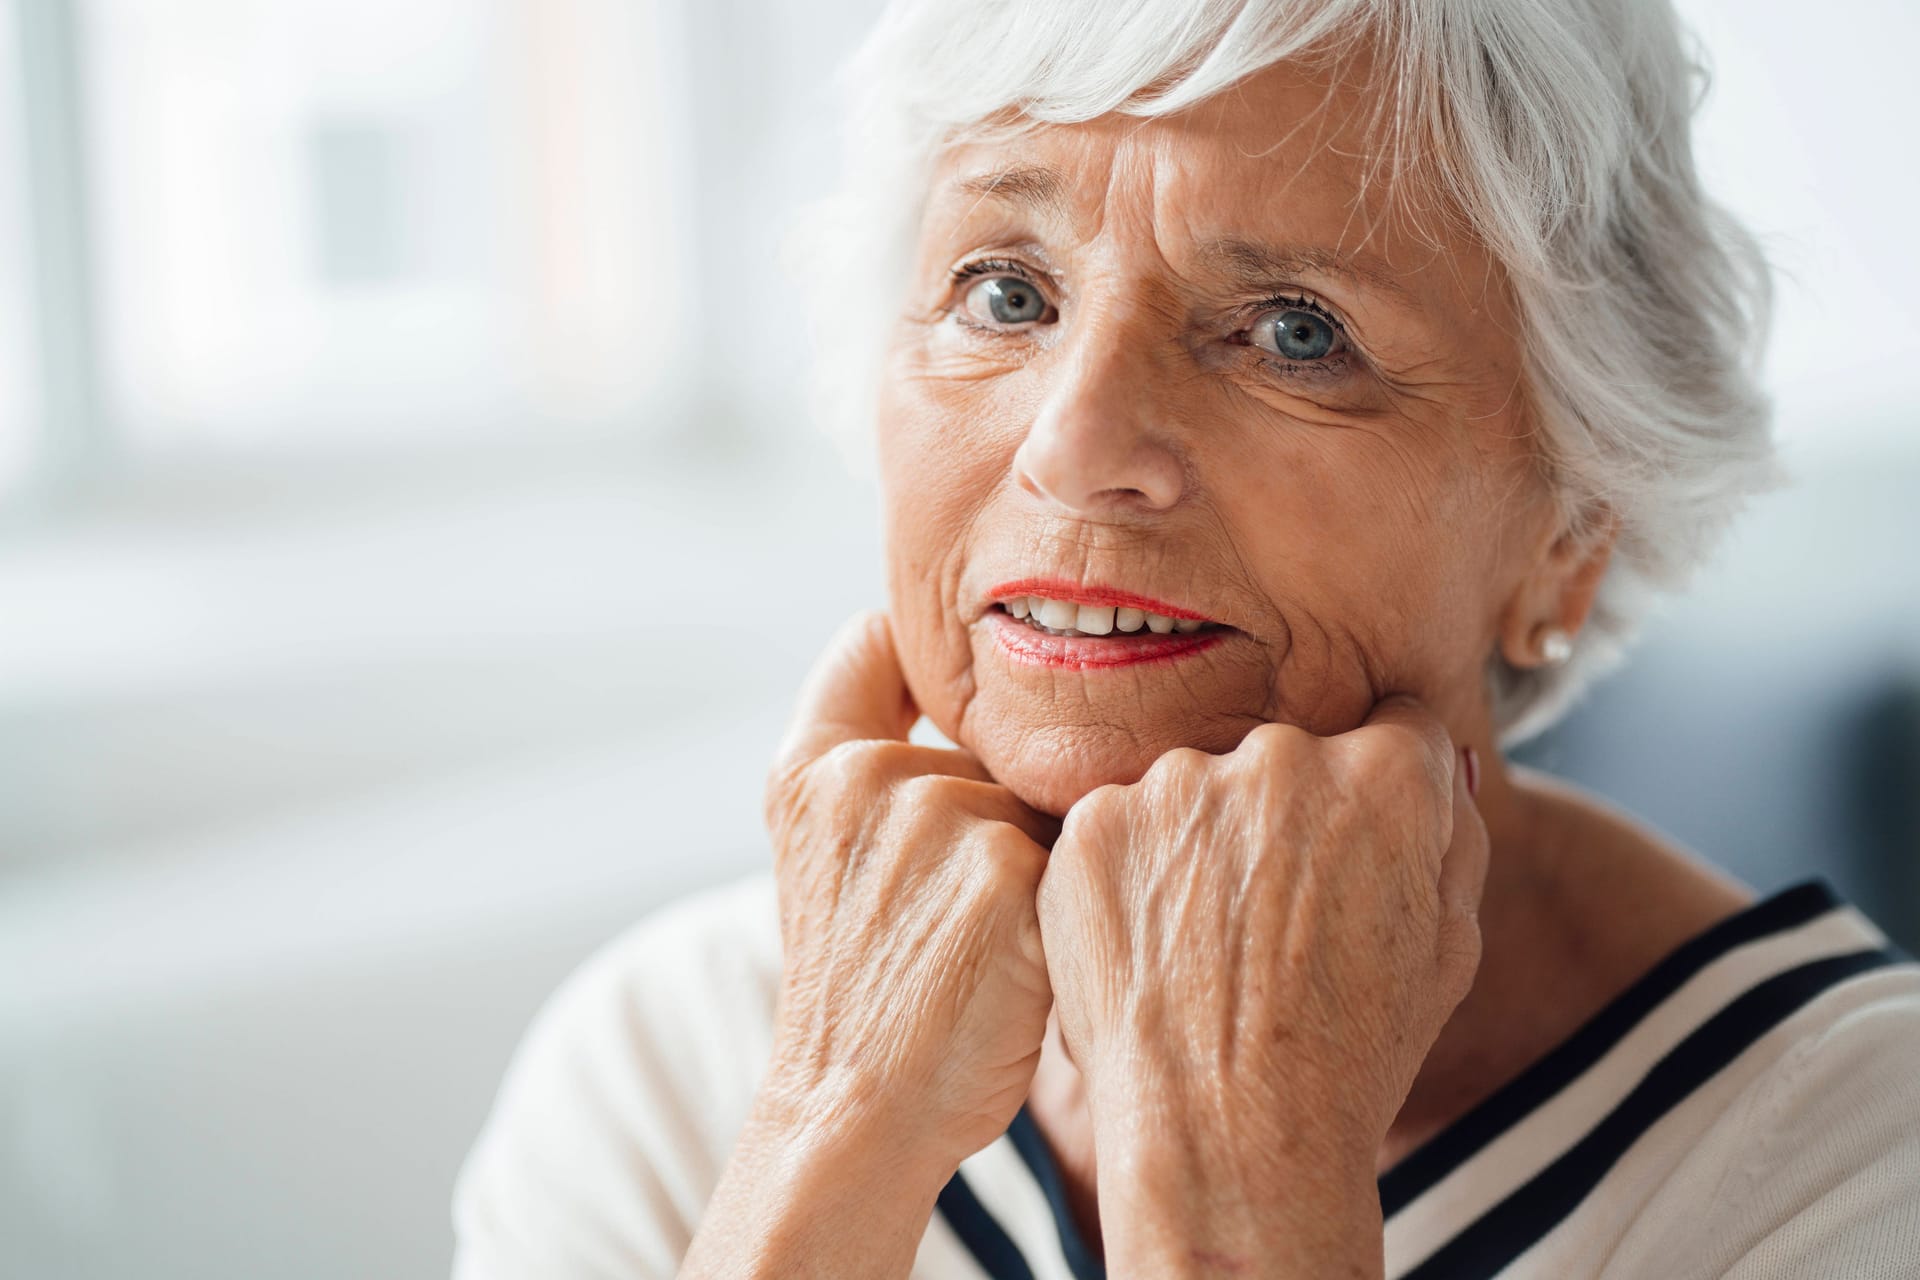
<point x="1091" y="593"/>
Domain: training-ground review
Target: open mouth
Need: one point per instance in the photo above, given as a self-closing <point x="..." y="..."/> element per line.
<point x="1065" y="625"/>
<point x="1065" y="618"/>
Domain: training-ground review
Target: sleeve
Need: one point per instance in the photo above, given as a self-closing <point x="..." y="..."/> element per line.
<point x="1831" y="1183"/>
<point x="625" y="1097"/>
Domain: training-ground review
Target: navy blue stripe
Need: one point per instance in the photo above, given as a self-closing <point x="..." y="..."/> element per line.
<point x="1512" y="1102"/>
<point x="1033" y="1149"/>
<point x="1565" y="1183"/>
<point x="985" y="1239"/>
<point x="1514" y="1225"/>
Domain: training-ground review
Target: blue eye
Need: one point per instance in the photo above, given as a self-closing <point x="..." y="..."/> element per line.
<point x="1295" y="334"/>
<point x="1006" y="300"/>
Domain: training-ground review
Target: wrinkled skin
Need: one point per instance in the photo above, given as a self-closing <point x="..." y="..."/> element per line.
<point x="1365" y="523"/>
<point x="1246" y="962"/>
<point x="874" y="835"/>
<point x="1251" y="954"/>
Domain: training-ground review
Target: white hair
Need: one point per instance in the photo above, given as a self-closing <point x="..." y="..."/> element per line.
<point x="1558" y="128"/>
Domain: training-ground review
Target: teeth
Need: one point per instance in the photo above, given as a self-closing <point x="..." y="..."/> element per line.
<point x="1057" y="614"/>
<point x="1095" y="619"/>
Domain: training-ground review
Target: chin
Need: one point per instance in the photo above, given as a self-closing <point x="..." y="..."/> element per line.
<point x="1053" y="780"/>
<point x="1050" y="767"/>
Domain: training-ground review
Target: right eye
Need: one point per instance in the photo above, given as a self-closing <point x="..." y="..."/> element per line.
<point x="1005" y="300"/>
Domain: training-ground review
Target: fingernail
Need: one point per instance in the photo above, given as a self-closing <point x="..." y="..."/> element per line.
<point x="1472" y="760"/>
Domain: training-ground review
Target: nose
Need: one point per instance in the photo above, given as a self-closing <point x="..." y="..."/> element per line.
<point x="1098" y="446"/>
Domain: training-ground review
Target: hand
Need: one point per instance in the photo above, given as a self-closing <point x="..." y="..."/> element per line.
<point x="914" y="992"/>
<point x="1251" y="956"/>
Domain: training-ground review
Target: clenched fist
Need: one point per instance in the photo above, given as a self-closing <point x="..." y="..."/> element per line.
<point x="1251" y="956"/>
<point x="915" y="991"/>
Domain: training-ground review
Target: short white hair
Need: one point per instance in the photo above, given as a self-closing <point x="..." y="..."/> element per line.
<point x="1559" y="128"/>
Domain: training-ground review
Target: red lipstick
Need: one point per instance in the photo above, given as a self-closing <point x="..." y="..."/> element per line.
<point x="1031" y="645"/>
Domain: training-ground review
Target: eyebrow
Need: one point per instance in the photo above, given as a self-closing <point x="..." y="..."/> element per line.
<point x="1249" y="264"/>
<point x="1035" y="185"/>
<point x="1253" y="265"/>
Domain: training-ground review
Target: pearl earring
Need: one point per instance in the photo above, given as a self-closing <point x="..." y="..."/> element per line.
<point x="1556" y="646"/>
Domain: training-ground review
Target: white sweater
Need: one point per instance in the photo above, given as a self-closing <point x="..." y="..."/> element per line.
<point x="1748" y="1109"/>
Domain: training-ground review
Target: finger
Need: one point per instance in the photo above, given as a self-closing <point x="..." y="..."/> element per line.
<point x="855" y="691"/>
<point x="910" y="759"/>
<point x="1463" y="868"/>
<point x="992" y="801"/>
<point x="1405" y="715"/>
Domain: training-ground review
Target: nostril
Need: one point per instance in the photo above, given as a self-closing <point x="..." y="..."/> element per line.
<point x="1136" y="480"/>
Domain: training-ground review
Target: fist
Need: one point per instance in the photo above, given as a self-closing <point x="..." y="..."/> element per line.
<point x="1265" y="944"/>
<point x="914" y="993"/>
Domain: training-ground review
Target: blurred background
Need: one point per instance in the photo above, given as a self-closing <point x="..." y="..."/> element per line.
<point x="411" y="535"/>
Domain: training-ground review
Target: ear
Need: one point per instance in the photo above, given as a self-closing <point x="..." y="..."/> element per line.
<point x="1557" y="593"/>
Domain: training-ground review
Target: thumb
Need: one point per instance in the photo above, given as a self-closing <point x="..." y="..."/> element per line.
<point x="855" y="691"/>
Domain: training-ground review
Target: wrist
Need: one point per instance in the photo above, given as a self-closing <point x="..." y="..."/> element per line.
<point x="863" y="1121"/>
<point x="1201" y="1114"/>
<point x="1198" y="1191"/>
<point x="815" y="1191"/>
<point x="1176" y="1216"/>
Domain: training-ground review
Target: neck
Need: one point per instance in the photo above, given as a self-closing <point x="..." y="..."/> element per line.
<point x="1501" y="1024"/>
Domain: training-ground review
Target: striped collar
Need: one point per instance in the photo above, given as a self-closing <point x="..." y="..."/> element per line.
<point x="1474" y="1197"/>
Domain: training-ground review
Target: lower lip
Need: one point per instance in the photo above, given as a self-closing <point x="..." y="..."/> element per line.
<point x="1090" y="653"/>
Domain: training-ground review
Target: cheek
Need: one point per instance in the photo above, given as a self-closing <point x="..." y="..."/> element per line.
<point x="939" y="473"/>
<point x="1379" y="540"/>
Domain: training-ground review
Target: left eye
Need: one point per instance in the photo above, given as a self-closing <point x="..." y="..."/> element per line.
<point x="1006" y="300"/>
<point x="1295" y="334"/>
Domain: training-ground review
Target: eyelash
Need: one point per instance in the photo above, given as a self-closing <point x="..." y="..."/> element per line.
<point x="1333" y="362"/>
<point x="992" y="267"/>
<point x="977" y="269"/>
<point x="1292" y="302"/>
<point x="967" y="272"/>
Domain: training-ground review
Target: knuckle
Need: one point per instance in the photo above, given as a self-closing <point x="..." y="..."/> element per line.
<point x="1093" y="810"/>
<point x="1180" y="762"/>
<point x="1009" y="854"/>
<point x="855" y="769"/>
<point x="840" y="761"/>
<point x="1391" y="760"/>
<point x="861" y="762"/>
<point x="1277" y="755"/>
<point x="1276" y="739"/>
<point x="927" y="791"/>
<point x="1174" y="774"/>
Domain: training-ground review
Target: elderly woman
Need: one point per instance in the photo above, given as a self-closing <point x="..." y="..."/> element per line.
<point x="1280" y="406"/>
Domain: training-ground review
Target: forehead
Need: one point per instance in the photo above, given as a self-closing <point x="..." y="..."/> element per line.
<point x="1287" y="160"/>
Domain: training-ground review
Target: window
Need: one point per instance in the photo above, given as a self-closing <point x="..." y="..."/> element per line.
<point x="327" y="223"/>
